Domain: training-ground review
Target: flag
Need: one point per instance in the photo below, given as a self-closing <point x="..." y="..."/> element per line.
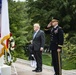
<point x="4" y="26"/>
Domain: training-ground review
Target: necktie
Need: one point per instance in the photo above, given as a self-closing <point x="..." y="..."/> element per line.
<point x="34" y="35"/>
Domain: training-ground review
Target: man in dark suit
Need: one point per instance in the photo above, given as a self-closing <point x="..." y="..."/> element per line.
<point x="38" y="46"/>
<point x="56" y="44"/>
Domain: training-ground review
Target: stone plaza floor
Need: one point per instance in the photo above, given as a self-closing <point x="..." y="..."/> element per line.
<point x="23" y="68"/>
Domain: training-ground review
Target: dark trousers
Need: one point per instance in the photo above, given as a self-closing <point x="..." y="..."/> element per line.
<point x="55" y="61"/>
<point x="38" y="57"/>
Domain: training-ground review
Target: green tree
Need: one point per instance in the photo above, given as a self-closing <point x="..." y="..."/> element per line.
<point x="43" y="11"/>
<point x="19" y="25"/>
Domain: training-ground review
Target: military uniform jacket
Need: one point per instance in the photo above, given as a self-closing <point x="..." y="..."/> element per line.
<point x="57" y="37"/>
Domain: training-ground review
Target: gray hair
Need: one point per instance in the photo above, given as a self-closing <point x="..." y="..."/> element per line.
<point x="37" y="25"/>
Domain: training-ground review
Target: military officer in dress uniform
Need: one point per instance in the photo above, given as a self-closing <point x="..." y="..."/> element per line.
<point x="56" y="44"/>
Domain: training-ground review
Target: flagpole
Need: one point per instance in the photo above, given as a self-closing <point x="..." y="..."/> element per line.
<point x="4" y="26"/>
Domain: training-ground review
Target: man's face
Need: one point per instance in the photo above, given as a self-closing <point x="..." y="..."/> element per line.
<point x="54" y="23"/>
<point x="36" y="28"/>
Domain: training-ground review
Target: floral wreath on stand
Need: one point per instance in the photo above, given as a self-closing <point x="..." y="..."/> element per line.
<point x="9" y="58"/>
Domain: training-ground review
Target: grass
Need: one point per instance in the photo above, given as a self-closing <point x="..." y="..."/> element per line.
<point x="46" y="59"/>
<point x="67" y="65"/>
<point x="22" y="56"/>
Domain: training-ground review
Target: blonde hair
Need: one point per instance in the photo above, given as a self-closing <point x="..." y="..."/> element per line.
<point x="37" y="25"/>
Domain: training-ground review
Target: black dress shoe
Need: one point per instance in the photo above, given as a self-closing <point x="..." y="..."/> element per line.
<point x="56" y="74"/>
<point x="34" y="70"/>
<point x="38" y="70"/>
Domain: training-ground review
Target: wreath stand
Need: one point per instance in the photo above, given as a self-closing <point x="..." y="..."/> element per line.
<point x="4" y="69"/>
<point x="11" y="45"/>
<point x="14" y="67"/>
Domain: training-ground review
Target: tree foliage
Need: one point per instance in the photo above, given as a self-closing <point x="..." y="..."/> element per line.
<point x="43" y="11"/>
<point x="69" y="50"/>
<point x="19" y="24"/>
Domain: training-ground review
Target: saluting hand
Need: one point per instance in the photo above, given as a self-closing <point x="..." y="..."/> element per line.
<point x="49" y="25"/>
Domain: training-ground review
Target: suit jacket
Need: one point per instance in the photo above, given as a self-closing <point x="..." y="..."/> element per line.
<point x="39" y="40"/>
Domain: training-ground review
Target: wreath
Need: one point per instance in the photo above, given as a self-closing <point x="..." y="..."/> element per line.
<point x="9" y="58"/>
<point x="11" y="44"/>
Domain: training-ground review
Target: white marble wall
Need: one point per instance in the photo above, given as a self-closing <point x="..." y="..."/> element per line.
<point x="2" y="60"/>
<point x="5" y="70"/>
